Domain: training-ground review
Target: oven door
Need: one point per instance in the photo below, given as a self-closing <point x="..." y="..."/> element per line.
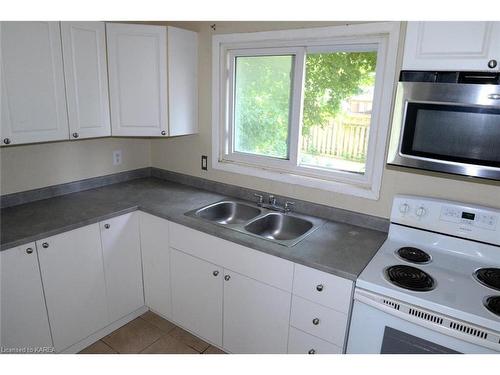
<point x="374" y="331"/>
<point x="453" y="128"/>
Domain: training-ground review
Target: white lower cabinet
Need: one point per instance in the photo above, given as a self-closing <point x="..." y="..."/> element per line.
<point x="240" y="299"/>
<point x="302" y="343"/>
<point x="156" y="263"/>
<point x="319" y="321"/>
<point x="24" y="322"/>
<point x="256" y="316"/>
<point x="73" y="280"/>
<point x="122" y="265"/>
<point x="320" y="311"/>
<point x="197" y="295"/>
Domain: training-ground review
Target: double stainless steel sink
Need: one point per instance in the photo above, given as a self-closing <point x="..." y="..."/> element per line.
<point x="283" y="228"/>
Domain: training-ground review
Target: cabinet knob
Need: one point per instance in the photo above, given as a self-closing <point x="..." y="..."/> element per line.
<point x="492" y="64"/>
<point x="319" y="287"/>
<point x="45" y="245"/>
<point x="315" y="321"/>
<point x="107" y="226"/>
<point x="75" y="135"/>
<point x="227" y="277"/>
<point x="215" y="273"/>
<point x="163" y="132"/>
<point x="6" y="141"/>
<point x="311" y="351"/>
<point x="29" y="250"/>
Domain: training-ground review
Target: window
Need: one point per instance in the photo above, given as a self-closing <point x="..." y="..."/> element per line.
<point x="305" y="110"/>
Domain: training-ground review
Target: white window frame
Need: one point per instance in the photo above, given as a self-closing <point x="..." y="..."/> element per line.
<point x="225" y="47"/>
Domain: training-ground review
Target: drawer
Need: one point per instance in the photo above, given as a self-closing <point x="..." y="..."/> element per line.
<point x="255" y="264"/>
<point x="321" y="287"/>
<point x="320" y="321"/>
<point x="302" y="343"/>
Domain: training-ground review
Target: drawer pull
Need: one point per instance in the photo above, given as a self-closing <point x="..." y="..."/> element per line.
<point x="319" y="287"/>
<point x="312" y="351"/>
<point x="315" y="321"/>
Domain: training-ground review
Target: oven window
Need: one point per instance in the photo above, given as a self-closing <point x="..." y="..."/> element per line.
<point x="398" y="342"/>
<point x="455" y="133"/>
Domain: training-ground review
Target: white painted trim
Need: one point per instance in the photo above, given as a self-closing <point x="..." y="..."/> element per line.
<point x="385" y="34"/>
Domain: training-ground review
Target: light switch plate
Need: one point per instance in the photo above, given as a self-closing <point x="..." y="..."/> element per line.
<point x="204" y="162"/>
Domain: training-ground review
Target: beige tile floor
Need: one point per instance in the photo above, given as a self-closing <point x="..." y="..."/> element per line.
<point x="150" y="334"/>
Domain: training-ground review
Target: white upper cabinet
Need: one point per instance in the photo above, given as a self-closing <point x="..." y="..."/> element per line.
<point x="182" y="81"/>
<point x="137" y="63"/>
<point x="86" y="76"/>
<point x="24" y="322"/>
<point x="452" y="46"/>
<point x="121" y="251"/>
<point x="33" y="104"/>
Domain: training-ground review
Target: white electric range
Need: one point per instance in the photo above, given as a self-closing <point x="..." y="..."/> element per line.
<point x="434" y="285"/>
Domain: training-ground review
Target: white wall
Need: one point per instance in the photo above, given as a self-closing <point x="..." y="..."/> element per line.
<point x="34" y="166"/>
<point x="183" y="154"/>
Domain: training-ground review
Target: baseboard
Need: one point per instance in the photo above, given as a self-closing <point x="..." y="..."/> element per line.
<point x="73" y="349"/>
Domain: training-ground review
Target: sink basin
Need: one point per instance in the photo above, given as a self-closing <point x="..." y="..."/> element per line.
<point x="261" y="222"/>
<point x="228" y="212"/>
<point x="276" y="226"/>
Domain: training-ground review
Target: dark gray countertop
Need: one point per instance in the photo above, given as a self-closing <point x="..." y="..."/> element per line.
<point x="337" y="248"/>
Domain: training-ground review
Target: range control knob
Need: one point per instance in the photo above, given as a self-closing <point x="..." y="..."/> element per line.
<point x="421" y="211"/>
<point x="404" y="208"/>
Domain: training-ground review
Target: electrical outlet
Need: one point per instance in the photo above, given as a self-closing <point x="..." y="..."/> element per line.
<point x="117" y="157"/>
<point x="204" y="162"/>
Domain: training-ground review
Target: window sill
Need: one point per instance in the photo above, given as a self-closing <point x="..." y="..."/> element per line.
<point x="368" y="192"/>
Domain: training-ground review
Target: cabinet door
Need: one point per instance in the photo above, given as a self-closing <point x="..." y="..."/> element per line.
<point x="86" y="76"/>
<point x="122" y="265"/>
<point x="24" y="322"/>
<point x="182" y="81"/>
<point x="137" y="62"/>
<point x="73" y="281"/>
<point x="256" y="316"/>
<point x="452" y="46"/>
<point x="33" y="104"/>
<point x="197" y="296"/>
<point x="156" y="263"/>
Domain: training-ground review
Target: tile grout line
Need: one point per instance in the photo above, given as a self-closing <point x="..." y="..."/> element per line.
<point x="109" y="346"/>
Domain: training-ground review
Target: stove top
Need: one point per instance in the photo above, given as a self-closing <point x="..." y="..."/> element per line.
<point x="413" y="255"/>
<point x="489" y="277"/>
<point x="493" y="304"/>
<point x="444" y="272"/>
<point x="410" y="278"/>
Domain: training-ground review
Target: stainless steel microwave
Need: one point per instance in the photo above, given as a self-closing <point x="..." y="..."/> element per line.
<point x="447" y="122"/>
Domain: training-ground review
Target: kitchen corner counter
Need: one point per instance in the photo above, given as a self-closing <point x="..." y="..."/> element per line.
<point x="337" y="248"/>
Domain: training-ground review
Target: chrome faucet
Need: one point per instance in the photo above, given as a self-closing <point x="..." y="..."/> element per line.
<point x="273" y="204"/>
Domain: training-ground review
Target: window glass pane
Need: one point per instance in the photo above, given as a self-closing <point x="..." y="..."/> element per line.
<point x="338" y="96"/>
<point x="262" y="105"/>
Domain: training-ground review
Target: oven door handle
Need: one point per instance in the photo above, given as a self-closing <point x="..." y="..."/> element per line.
<point x="494" y="96"/>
